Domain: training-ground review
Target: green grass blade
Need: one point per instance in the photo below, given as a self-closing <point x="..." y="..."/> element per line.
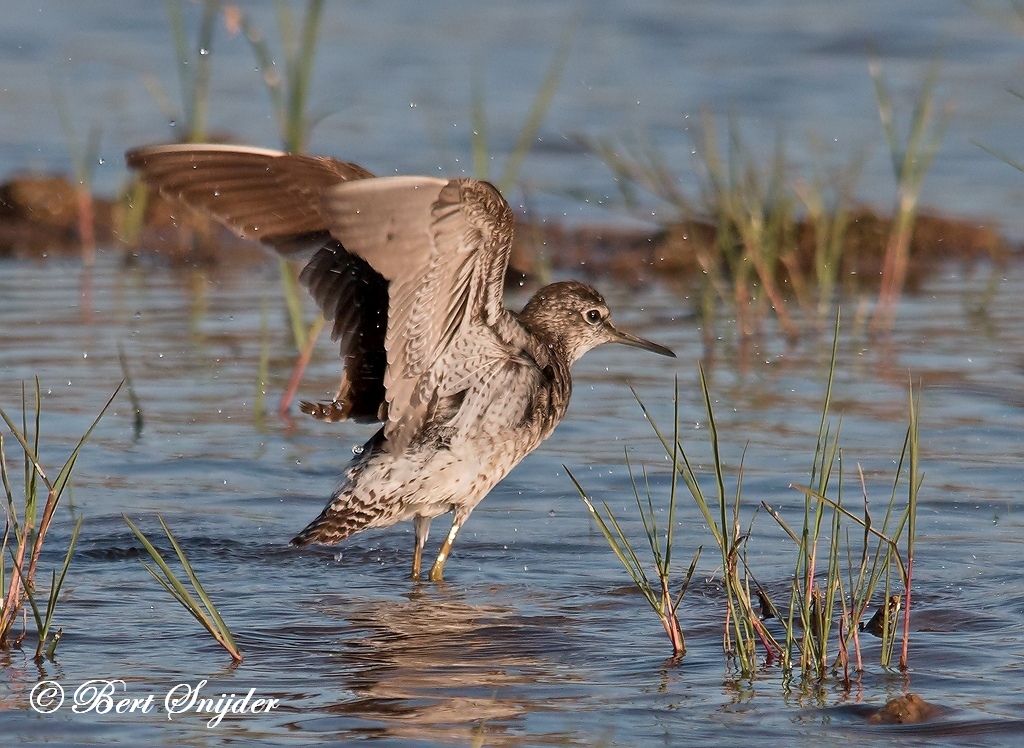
<point x="628" y="547"/>
<point x="689" y="575"/>
<point x="674" y="482"/>
<point x="271" y="77"/>
<point x="210" y="607"/>
<point x="181" y="592"/>
<point x="182" y="55"/>
<point x="65" y="472"/>
<point x="1019" y="166"/>
<point x="132" y="395"/>
<point x="624" y="554"/>
<point x="58" y="582"/>
<point x="782" y="523"/>
<point x="204" y="612"/>
<point x="301" y="76"/>
<point x="12" y="515"/>
<point x="203" y="63"/>
<point x="17" y="570"/>
<point x="885" y="113"/>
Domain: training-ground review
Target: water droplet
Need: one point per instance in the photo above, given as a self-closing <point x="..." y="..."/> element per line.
<point x="357" y="450"/>
<point x="204" y="52"/>
<point x="101" y="161"/>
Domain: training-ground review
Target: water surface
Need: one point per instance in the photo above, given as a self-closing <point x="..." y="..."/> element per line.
<point x="536" y="636"/>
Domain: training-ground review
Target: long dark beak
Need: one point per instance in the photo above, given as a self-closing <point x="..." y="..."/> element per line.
<point x="618" y="336"/>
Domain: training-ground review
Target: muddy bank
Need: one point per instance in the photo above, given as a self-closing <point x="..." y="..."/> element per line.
<point x="40" y="216"/>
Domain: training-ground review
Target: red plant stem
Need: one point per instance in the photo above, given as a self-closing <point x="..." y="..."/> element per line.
<point x="12" y="604"/>
<point x="671" y="622"/>
<point x="86" y="226"/>
<point x="297" y="374"/>
<point x="856" y="644"/>
<point x="894" y="268"/>
<point x="844" y="655"/>
<point x="765" y="642"/>
<point x="671" y="625"/>
<point x="789" y="327"/>
<point x="44" y="526"/>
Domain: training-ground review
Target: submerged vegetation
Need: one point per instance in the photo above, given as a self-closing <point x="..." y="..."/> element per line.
<point x="25" y="529"/>
<point x="836" y="575"/>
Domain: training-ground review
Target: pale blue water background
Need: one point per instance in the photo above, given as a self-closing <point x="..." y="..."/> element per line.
<point x="536" y="638"/>
<point x="393" y="83"/>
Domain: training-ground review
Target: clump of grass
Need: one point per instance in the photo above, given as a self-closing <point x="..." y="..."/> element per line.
<point x="743" y="626"/>
<point x="828" y="200"/>
<point x="773" y="238"/>
<point x="911" y="161"/>
<point x="754" y="212"/>
<point x="827" y="576"/>
<point x="46" y="645"/>
<point x="817" y="587"/>
<point x="25" y="531"/>
<point x="656" y="591"/>
<point x="203" y="609"/>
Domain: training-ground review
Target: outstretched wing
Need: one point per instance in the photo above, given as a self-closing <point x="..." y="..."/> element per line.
<point x="409" y="269"/>
<point x="277" y="198"/>
<point x="259" y="194"/>
<point x="443" y="246"/>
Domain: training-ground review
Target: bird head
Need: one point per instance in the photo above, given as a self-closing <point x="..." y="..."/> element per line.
<point x="575" y="318"/>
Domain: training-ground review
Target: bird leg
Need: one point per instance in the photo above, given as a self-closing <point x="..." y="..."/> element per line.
<point x="422" y="525"/>
<point x="437" y="570"/>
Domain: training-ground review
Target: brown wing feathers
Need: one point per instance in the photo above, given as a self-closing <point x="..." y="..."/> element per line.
<point x="258" y="194"/>
<point x="277" y="198"/>
<point x="355" y="297"/>
<point x="403" y="266"/>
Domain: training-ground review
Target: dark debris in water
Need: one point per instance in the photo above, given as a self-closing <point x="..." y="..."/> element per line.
<point x="905" y="710"/>
<point x="113" y="553"/>
<point x="39" y="216"/>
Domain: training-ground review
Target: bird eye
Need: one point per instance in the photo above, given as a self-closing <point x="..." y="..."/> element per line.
<point x="593" y="316"/>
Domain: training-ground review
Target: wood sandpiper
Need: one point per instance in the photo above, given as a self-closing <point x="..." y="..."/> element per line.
<point x="410" y="271"/>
